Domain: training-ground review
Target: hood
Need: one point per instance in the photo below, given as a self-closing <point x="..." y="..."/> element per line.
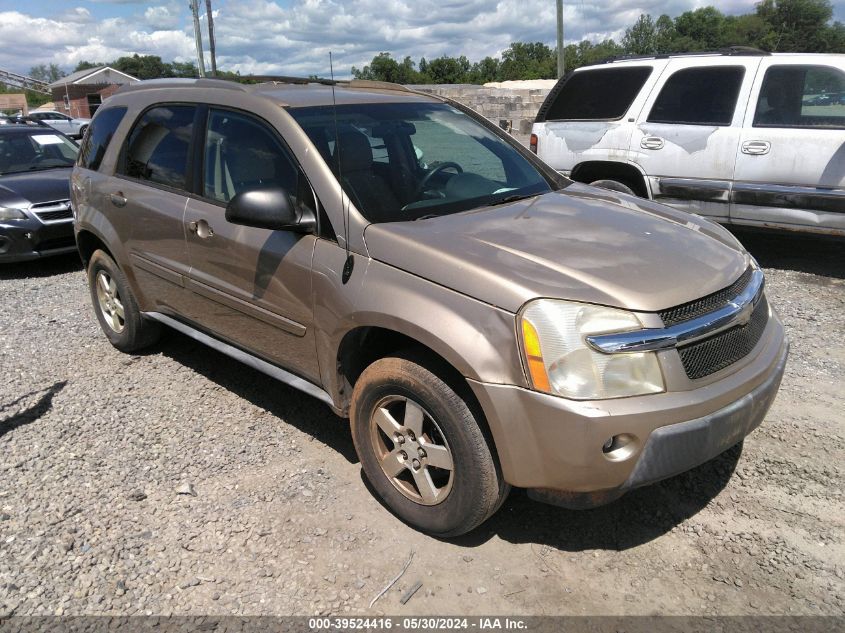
<point x="580" y="243"/>
<point x="32" y="187"/>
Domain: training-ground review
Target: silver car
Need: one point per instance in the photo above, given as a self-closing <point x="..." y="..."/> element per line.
<point x="67" y="125"/>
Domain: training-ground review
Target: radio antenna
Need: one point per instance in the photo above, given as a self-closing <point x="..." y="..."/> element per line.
<point x="349" y="264"/>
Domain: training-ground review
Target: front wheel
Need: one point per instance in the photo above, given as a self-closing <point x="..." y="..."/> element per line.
<point x="422" y="448"/>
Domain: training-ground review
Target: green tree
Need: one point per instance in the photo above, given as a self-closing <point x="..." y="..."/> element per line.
<point x="700" y="29"/>
<point x="664" y="34"/>
<point x="485" y="70"/>
<point x="86" y="65"/>
<point x="143" y="66"/>
<point x="528" y="60"/>
<point x="448" y="70"/>
<point x="43" y="72"/>
<point x="384" y="68"/>
<point x="799" y="25"/>
<point x="641" y="38"/>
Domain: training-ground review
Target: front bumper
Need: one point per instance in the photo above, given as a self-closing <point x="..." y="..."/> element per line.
<point x="23" y="240"/>
<point x="553" y="446"/>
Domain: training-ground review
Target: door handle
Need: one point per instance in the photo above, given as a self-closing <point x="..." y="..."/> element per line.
<point x="201" y="229"/>
<point x="117" y="199"/>
<point x="651" y="142"/>
<point x="756" y="148"/>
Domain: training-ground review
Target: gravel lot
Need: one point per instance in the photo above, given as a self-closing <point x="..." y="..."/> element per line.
<point x="96" y="445"/>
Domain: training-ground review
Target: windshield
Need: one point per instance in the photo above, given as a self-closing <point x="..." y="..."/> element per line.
<point x="407" y="161"/>
<point x="35" y="151"/>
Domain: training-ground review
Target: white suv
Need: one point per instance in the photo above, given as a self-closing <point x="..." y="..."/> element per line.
<point x="740" y="136"/>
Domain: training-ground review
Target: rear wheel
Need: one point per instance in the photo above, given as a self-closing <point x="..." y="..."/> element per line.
<point x="116" y="307"/>
<point x="613" y="185"/>
<point x="422" y="448"/>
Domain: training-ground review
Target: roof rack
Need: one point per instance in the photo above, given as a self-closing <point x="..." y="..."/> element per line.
<point x="728" y="50"/>
<point x="248" y="82"/>
<point x="176" y="82"/>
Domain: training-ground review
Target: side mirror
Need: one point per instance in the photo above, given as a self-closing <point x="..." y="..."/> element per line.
<point x="269" y="208"/>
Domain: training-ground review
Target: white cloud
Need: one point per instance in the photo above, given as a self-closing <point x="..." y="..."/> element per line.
<point x="265" y="37"/>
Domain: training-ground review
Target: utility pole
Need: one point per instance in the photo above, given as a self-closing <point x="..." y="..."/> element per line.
<point x="211" y="38"/>
<point x="560" y="68"/>
<point x="198" y="36"/>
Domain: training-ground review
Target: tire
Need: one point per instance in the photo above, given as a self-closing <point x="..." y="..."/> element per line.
<point x="457" y="500"/>
<point x="82" y="131"/>
<point x="116" y="307"/>
<point x="613" y="185"/>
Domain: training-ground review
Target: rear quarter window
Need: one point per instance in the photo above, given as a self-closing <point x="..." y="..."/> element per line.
<point x="594" y="95"/>
<point x="99" y="135"/>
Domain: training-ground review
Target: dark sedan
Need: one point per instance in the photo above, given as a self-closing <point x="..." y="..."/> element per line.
<point x="35" y="214"/>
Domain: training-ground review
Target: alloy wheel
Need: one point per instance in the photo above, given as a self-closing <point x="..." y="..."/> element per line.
<point x="412" y="450"/>
<point x="111" y="305"/>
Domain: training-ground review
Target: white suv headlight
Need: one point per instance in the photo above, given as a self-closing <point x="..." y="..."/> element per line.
<point x="560" y="361"/>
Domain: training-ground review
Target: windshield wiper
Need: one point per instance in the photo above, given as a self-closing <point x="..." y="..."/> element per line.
<point x="512" y="198"/>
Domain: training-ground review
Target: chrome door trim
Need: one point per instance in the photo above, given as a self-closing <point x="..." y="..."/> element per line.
<point x="736" y="312"/>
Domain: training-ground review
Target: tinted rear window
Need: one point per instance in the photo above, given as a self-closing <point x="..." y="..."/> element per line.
<point x="699" y="96"/>
<point x="600" y="94"/>
<point x="99" y="136"/>
<point x="157" y="149"/>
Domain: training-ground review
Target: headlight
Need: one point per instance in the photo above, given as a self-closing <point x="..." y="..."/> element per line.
<point x="560" y="361"/>
<point x="9" y="213"/>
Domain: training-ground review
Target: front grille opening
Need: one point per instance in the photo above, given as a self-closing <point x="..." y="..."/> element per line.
<point x="711" y="302"/>
<point x="49" y="216"/>
<point x="724" y="349"/>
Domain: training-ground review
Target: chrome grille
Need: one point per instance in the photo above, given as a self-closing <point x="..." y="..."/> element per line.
<point x="711" y="302"/>
<point x="709" y="356"/>
<point x="54" y="211"/>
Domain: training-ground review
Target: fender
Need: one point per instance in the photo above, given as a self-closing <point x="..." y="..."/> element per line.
<point x="453" y="325"/>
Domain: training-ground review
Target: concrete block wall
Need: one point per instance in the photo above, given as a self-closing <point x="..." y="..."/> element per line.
<point x="518" y="106"/>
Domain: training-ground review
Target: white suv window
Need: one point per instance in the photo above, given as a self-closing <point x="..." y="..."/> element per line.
<point x="699" y="96"/>
<point x="801" y="96"/>
<point x="594" y="95"/>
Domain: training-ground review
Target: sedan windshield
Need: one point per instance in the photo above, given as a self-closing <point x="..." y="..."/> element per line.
<point x="408" y="161"/>
<point x="34" y="151"/>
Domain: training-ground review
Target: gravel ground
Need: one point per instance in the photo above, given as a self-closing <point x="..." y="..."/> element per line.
<point x="180" y="482"/>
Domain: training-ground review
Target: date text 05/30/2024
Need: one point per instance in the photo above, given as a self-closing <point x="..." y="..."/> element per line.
<point x="417" y="624"/>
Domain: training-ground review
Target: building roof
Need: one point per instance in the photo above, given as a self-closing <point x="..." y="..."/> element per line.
<point x="87" y="76"/>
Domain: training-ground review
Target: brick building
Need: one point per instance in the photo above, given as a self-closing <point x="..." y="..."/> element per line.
<point x="81" y="93"/>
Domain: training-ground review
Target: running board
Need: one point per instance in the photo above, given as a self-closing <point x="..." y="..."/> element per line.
<point x="245" y="357"/>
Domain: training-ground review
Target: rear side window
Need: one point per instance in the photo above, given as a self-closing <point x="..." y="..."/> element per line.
<point x="594" y="95"/>
<point x="699" y="96"/>
<point x="159" y="145"/>
<point x="801" y="96"/>
<point x="99" y="135"/>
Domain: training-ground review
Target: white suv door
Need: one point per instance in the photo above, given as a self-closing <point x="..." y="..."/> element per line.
<point x="687" y="134"/>
<point x="790" y="165"/>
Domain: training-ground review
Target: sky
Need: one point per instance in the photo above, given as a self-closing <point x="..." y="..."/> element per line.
<point x="294" y="37"/>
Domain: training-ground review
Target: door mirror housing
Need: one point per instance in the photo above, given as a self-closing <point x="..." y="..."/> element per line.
<point x="270" y="208"/>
